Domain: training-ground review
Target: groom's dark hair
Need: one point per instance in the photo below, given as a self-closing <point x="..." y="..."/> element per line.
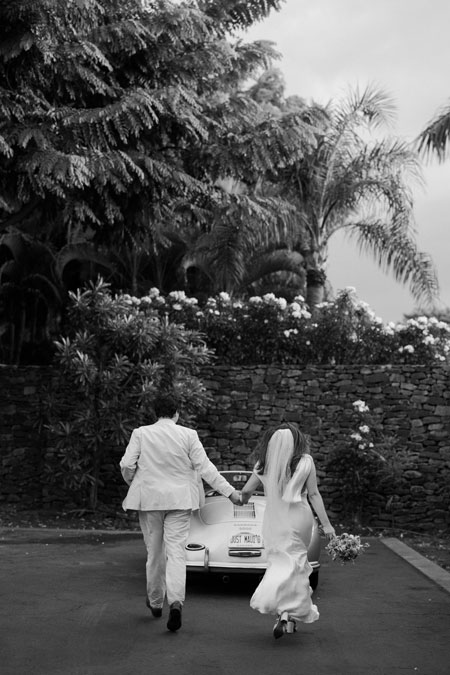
<point x="166" y="405"/>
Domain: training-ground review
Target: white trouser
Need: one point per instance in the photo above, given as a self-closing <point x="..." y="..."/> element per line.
<point x="165" y="535"/>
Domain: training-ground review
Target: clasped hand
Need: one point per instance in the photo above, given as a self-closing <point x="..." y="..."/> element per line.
<point x="236" y="498"/>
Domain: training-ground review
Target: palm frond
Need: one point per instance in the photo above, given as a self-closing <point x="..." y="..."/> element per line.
<point x="397" y="252"/>
<point x="269" y="262"/>
<point x="435" y="137"/>
<point x="372" y="106"/>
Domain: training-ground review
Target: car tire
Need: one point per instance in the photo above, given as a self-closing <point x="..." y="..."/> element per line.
<point x="314" y="579"/>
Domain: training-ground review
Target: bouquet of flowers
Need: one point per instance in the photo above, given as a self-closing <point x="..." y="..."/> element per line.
<point x="345" y="547"/>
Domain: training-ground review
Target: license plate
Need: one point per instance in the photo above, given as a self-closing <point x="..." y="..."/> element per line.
<point x="247" y="540"/>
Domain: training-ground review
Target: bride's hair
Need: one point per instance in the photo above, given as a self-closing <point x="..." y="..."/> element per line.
<point x="300" y="446"/>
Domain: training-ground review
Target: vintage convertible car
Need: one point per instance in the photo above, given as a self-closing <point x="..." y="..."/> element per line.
<point x="226" y="539"/>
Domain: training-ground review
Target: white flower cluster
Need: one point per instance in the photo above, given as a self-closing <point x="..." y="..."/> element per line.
<point x="411" y="338"/>
<point x="360" y="406"/>
<point x="433" y="332"/>
<point x="345" y="547"/>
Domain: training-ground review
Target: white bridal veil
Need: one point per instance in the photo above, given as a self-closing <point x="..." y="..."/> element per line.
<point x="281" y="489"/>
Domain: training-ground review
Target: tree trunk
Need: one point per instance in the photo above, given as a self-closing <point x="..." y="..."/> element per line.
<point x="315" y="288"/>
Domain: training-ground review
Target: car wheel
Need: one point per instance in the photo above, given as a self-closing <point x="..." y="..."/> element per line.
<point x="314" y="579"/>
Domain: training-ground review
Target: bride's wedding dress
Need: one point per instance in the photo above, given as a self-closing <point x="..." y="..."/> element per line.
<point x="287" y="530"/>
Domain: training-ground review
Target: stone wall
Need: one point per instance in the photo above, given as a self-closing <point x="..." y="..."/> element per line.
<point x="412" y="402"/>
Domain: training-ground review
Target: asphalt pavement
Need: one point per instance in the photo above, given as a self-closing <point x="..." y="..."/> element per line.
<point x="73" y="603"/>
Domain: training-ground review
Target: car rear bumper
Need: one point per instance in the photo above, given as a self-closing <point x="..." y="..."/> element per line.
<point x="233" y="568"/>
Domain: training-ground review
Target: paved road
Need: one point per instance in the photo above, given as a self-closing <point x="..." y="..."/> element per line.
<point x="75" y="606"/>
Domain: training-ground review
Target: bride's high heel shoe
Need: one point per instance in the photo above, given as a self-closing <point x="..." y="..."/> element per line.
<point x="291" y="626"/>
<point x="280" y="627"/>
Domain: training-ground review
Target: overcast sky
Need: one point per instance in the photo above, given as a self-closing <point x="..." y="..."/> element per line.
<point x="402" y="46"/>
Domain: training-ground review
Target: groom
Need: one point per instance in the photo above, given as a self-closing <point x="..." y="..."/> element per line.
<point x="162" y="464"/>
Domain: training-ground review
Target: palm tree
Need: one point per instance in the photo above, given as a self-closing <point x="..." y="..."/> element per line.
<point x="247" y="238"/>
<point x="353" y="183"/>
<point x="435" y="136"/>
<point x="31" y="299"/>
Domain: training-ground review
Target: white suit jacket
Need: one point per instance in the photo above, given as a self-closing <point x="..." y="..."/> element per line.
<point x="162" y="465"/>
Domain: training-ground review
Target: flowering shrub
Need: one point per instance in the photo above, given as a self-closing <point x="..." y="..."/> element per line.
<point x="115" y="355"/>
<point x="370" y="461"/>
<point x="345" y="547"/>
<point x="268" y="329"/>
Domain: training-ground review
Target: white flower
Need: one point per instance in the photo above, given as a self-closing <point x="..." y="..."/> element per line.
<point x="282" y="304"/>
<point x="295" y="307"/>
<point x="360" y="406"/>
<point x="177" y="295"/>
<point x="356" y="437"/>
<point x="364" y="429"/>
<point x="409" y="348"/>
<point x="268" y="297"/>
<point x="177" y="306"/>
<point x="255" y="300"/>
<point x="429" y="340"/>
<point x="224" y="296"/>
<point x="299" y="298"/>
<point x="153" y="292"/>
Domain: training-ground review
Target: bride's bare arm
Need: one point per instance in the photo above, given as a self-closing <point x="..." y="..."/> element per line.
<point x="251" y="485"/>
<point x="316" y="501"/>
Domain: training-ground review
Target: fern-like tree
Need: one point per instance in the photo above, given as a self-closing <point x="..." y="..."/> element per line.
<point x="354" y="182"/>
<point x="106" y="108"/>
<point x="103" y="113"/>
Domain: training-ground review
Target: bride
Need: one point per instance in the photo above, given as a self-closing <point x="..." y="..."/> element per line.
<point x="286" y="470"/>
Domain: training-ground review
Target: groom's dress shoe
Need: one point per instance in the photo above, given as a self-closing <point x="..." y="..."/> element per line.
<point x="174" y="622"/>
<point x="156" y="611"/>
